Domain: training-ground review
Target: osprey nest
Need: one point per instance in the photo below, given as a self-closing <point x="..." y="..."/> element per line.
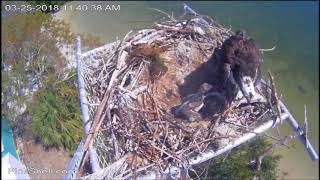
<point x="133" y="86"/>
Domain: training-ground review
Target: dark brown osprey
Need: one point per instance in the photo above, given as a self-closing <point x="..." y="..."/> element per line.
<point x="243" y="58"/>
<point x="237" y="68"/>
<point x="233" y="68"/>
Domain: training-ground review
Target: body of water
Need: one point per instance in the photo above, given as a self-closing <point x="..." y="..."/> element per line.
<point x="291" y="26"/>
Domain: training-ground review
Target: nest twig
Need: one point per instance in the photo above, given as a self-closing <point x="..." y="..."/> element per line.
<point x="275" y="96"/>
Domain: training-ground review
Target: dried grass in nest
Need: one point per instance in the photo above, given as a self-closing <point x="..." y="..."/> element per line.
<point x="150" y="66"/>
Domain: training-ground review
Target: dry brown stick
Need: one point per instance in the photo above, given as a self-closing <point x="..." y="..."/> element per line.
<point x="205" y="141"/>
<point x="111" y="57"/>
<point x="165" y="152"/>
<point x="158" y="162"/>
<point x="140" y="70"/>
<point x="259" y="117"/>
<point x="83" y="162"/>
<point x="134" y="167"/>
<point x="171" y="29"/>
<point x="217" y="137"/>
<point x="305" y="128"/>
<point x="238" y="125"/>
<point x="274" y="138"/>
<point x="165" y="138"/>
<point x="97" y="119"/>
<point x="161" y="150"/>
<point x="115" y="142"/>
<point x="202" y="51"/>
<point x="93" y="132"/>
<point x="99" y="116"/>
<point x="275" y="95"/>
<point x="267" y="50"/>
<point x="138" y="170"/>
<point x="194" y="142"/>
<point x="155" y="106"/>
<point x="228" y="110"/>
<point x="169" y="16"/>
<point x="143" y="110"/>
<point x="268" y="151"/>
<point x="179" y="126"/>
<point x="147" y="125"/>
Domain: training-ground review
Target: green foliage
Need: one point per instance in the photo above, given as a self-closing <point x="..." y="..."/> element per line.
<point x="36" y="38"/>
<point x="237" y="164"/>
<point x="30" y="44"/>
<point x="30" y="47"/>
<point x="56" y="116"/>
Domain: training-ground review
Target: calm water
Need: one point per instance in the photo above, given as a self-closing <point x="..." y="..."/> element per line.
<point x="291" y="26"/>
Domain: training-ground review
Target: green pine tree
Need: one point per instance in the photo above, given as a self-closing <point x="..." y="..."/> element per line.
<point x="56" y="116"/>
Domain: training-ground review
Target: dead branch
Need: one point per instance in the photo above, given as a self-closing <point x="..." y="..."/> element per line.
<point x="305" y="128"/>
<point x="267" y="50"/>
<point x="259" y="159"/>
<point x="168" y="15"/>
<point x="275" y="96"/>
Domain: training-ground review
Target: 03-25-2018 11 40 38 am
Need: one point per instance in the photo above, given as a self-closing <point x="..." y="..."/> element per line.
<point x="66" y="7"/>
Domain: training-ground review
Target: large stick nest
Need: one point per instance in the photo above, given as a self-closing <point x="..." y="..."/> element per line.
<point x="147" y="74"/>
